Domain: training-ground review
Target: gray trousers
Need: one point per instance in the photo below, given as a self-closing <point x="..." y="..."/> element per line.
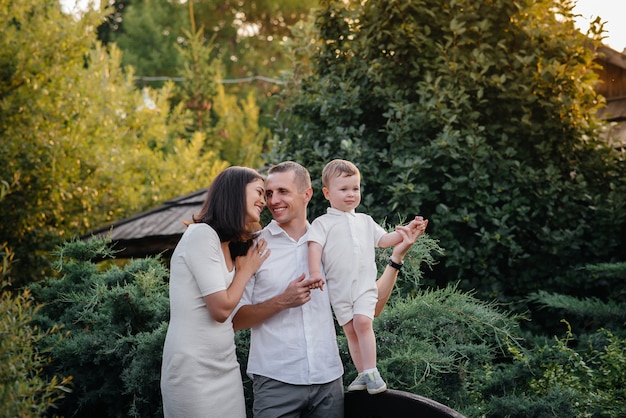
<point x="275" y="399"/>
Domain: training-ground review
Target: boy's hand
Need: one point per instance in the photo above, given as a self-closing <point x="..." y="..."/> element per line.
<point x="316" y="281"/>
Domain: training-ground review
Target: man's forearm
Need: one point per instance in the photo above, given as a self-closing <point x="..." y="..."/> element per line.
<point x="296" y="294"/>
<point x="249" y="316"/>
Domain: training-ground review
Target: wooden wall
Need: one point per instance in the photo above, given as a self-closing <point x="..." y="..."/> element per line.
<point x="612" y="84"/>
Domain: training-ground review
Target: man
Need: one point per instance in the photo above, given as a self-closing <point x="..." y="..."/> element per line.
<point x="294" y="361"/>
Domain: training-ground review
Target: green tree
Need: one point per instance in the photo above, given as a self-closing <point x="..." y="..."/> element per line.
<point x="473" y="114"/>
<point x="230" y="125"/>
<point x="25" y="390"/>
<point x="247" y="37"/>
<point x="150" y="33"/>
<point x="81" y="144"/>
<point x="247" y="34"/>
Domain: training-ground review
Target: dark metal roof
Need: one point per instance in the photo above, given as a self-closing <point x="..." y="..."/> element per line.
<point x="156" y="231"/>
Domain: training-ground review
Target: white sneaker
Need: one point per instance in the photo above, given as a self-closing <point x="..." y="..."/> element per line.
<point x="374" y="383"/>
<point x="360" y="383"/>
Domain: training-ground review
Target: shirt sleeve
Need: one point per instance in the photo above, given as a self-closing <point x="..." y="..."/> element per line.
<point x="377" y="230"/>
<point x="317" y="232"/>
<point x="205" y="260"/>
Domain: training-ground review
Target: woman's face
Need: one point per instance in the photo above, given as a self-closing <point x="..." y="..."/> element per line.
<point x="255" y="200"/>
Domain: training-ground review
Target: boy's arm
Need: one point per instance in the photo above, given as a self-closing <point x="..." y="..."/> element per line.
<point x="390" y="239"/>
<point x="315" y="261"/>
<point x="394" y="238"/>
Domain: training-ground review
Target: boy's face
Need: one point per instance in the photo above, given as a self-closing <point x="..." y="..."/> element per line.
<point x="344" y="192"/>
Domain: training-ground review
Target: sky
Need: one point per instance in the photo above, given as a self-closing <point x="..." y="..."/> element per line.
<point x="613" y="12"/>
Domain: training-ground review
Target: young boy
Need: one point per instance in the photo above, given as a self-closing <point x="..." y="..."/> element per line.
<point x="344" y="242"/>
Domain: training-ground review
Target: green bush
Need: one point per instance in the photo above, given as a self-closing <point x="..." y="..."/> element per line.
<point x="434" y="343"/>
<point x="116" y="318"/>
<point x="25" y="390"/>
<point x="443" y="343"/>
<point x="470" y="355"/>
<point x="559" y="378"/>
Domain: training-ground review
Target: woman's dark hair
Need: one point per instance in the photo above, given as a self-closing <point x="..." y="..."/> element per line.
<point x="224" y="207"/>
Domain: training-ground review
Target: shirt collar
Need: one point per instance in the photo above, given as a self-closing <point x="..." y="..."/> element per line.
<point x="333" y="211"/>
<point x="275" y="229"/>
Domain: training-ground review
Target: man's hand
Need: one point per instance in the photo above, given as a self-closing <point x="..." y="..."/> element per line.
<point x="298" y="292"/>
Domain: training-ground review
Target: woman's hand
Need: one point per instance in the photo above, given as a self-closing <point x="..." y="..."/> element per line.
<point x="256" y="255"/>
<point x="409" y="233"/>
<point x="221" y="304"/>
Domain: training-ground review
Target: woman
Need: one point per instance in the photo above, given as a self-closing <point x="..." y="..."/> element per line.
<point x="210" y="267"/>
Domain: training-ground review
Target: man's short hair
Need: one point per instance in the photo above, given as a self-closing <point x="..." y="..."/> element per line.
<point x="302" y="176"/>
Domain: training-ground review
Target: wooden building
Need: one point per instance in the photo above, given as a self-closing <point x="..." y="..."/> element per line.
<point x="612" y="86"/>
<point x="153" y="232"/>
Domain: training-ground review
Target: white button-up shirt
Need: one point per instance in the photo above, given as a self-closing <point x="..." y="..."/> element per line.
<point x="348" y="240"/>
<point x="297" y="345"/>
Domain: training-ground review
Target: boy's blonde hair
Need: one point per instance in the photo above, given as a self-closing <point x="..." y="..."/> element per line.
<point x="337" y="168"/>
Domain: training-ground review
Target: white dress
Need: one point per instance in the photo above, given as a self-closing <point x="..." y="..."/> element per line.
<point x="200" y="375"/>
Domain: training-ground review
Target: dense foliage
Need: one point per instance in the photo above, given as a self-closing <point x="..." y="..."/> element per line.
<point x="229" y="125"/>
<point x="116" y="319"/>
<point x="248" y="39"/>
<point x="83" y="147"/>
<point x="441" y="343"/>
<point x="247" y="35"/>
<point x="24" y="389"/>
<point x="475" y="115"/>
